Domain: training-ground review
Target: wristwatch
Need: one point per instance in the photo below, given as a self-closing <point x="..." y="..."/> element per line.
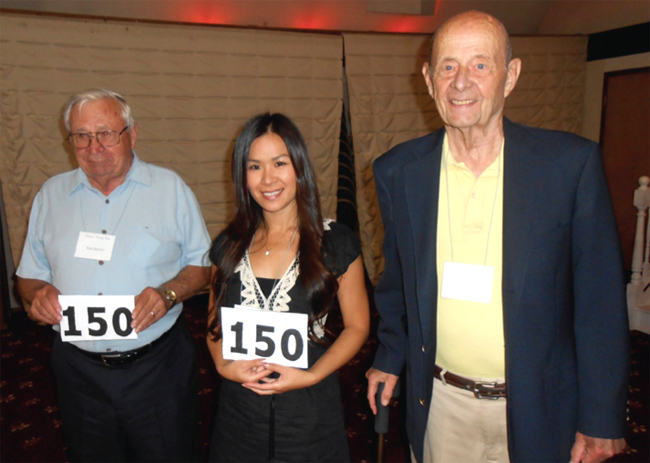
<point x="170" y="295"/>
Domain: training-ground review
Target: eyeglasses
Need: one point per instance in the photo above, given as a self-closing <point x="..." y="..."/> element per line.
<point x="106" y="138"/>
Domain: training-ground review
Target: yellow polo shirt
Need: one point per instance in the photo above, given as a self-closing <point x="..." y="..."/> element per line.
<point x="470" y="334"/>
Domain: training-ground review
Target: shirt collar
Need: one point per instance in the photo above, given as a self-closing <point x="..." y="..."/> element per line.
<point x="448" y="159"/>
<point x="139" y="173"/>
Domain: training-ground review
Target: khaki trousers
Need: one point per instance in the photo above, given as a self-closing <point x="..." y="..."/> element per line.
<point x="464" y="429"/>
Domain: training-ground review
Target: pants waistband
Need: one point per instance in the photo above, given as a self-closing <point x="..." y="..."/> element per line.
<point x="129" y="356"/>
<point x="480" y="389"/>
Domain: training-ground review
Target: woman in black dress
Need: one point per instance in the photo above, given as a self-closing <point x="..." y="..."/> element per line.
<point x="278" y="254"/>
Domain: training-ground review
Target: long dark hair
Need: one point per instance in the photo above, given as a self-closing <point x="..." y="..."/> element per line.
<point x="228" y="250"/>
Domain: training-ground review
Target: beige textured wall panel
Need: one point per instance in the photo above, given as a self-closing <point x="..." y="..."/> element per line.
<point x="191" y="89"/>
<point x="550" y="91"/>
<point x="389" y="104"/>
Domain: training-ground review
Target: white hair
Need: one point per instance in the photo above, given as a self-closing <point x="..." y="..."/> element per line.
<point x="97" y="94"/>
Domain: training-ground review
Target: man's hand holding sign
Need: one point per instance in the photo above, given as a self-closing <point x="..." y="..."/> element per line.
<point x="93" y="318"/>
<point x="144" y="309"/>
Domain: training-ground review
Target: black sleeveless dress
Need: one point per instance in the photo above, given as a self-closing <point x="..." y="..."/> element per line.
<point x="303" y="425"/>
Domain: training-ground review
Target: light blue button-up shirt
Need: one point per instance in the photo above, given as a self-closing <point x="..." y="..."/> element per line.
<point x="159" y="231"/>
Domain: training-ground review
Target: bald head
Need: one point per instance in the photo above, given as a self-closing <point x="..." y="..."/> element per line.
<point x="473" y="19"/>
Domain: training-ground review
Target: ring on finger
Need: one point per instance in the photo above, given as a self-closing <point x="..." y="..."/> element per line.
<point x="153" y="314"/>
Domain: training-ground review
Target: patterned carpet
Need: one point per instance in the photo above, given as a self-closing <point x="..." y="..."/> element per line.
<point x="31" y="426"/>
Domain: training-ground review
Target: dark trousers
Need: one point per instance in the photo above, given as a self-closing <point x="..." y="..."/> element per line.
<point x="143" y="411"/>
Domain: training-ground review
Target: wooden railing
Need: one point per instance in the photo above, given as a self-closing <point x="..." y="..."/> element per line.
<point x="638" y="290"/>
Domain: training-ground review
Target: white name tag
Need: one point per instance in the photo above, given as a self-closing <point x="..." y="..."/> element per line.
<point x="95" y="246"/>
<point x="97" y="318"/>
<point x="251" y="333"/>
<point x="467" y="282"/>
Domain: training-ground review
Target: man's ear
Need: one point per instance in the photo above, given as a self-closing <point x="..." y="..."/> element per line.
<point x="134" y="135"/>
<point x="427" y="77"/>
<point x="512" y="75"/>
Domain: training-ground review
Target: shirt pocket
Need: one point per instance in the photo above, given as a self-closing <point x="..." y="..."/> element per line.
<point x="151" y="249"/>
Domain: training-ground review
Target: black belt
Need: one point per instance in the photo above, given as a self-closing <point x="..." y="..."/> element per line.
<point x="481" y="389"/>
<point x="124" y="358"/>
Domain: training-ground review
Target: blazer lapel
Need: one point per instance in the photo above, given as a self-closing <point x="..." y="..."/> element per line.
<point x="522" y="189"/>
<point x="422" y="180"/>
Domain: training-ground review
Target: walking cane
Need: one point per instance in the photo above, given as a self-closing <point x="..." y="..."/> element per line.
<point x="381" y="419"/>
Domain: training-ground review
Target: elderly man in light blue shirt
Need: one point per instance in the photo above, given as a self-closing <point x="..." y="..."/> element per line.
<point x="120" y="399"/>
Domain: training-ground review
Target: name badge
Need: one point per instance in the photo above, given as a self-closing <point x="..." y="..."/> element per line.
<point x="251" y="333"/>
<point x="467" y="282"/>
<point x="95" y="246"/>
<point x="97" y="318"/>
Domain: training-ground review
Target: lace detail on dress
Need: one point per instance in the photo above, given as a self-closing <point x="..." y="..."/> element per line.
<point x="247" y="279"/>
<point x="252" y="295"/>
<point x="317" y="326"/>
<point x="279" y="301"/>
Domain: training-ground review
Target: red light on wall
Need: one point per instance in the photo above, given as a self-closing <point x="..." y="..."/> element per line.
<point x="203" y="13"/>
<point x="321" y="18"/>
<point x="405" y="24"/>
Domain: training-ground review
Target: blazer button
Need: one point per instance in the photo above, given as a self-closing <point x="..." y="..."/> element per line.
<point x="422" y="348"/>
<point x="422" y="402"/>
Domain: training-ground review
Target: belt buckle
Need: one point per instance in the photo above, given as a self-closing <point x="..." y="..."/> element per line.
<point x="484" y="393"/>
<point x="108" y="359"/>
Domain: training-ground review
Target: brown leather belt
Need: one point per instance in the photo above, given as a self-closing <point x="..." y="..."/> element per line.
<point x="480" y="389"/>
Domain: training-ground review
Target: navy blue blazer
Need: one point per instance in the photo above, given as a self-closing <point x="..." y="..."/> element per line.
<point x="564" y="309"/>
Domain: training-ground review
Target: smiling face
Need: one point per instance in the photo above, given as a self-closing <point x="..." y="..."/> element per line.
<point x="106" y="168"/>
<point x="271" y="177"/>
<point x="469" y="79"/>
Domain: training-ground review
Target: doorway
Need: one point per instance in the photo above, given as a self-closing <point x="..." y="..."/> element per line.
<point x="625" y="140"/>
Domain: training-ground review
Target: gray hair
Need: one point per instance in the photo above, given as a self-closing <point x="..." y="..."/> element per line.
<point x="97" y="94"/>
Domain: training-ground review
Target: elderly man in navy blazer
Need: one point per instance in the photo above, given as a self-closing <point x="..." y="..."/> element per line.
<point x="503" y="289"/>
